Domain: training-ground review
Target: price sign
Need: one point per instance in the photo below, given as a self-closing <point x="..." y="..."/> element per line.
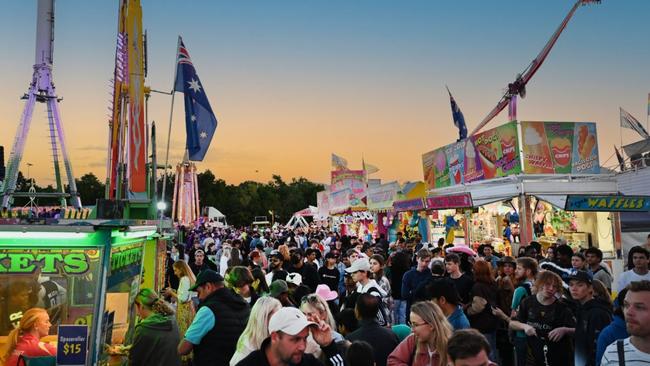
<point x="72" y="345"/>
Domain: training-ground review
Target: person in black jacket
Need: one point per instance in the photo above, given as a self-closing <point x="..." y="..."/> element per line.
<point x="308" y="273"/>
<point x="289" y="329"/>
<point x="383" y="340"/>
<point x="593" y="315"/>
<point x="221" y="318"/>
<point x="156" y="336"/>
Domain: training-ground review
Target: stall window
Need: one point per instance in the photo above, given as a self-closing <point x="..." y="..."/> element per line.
<point x="62" y="281"/>
<point x="123" y="285"/>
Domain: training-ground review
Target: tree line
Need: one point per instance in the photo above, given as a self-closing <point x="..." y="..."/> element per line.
<point x="240" y="203"/>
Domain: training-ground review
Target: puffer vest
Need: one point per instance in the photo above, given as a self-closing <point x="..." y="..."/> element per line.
<point x="230" y="318"/>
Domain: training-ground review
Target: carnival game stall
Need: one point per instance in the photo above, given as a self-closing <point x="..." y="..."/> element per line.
<point x="82" y="274"/>
<point x="527" y="169"/>
<point x="380" y="204"/>
<point x="409" y="214"/>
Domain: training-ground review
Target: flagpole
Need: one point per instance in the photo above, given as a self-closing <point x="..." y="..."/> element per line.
<point x="171" y="114"/>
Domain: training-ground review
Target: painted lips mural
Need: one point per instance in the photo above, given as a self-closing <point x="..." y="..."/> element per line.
<point x="489" y="154"/>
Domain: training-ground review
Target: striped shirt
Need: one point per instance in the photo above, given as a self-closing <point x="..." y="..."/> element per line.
<point x="633" y="357"/>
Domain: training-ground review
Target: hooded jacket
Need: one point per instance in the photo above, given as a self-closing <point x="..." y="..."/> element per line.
<point x="155" y="342"/>
<point x="591" y="318"/>
<point x="406" y="355"/>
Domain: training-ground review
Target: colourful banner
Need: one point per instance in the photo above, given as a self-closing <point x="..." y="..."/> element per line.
<point x="607" y="203"/>
<point x="409" y="205"/>
<point x="353" y="179"/>
<point x="498" y="151"/>
<point x="382" y="197"/>
<point x="560" y="148"/>
<point x="463" y="200"/>
<point x="340" y="200"/>
<point x="490" y="154"/>
<point x="323" y="202"/>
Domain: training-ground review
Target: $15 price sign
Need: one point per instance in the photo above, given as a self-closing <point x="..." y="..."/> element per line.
<point x="72" y="345"/>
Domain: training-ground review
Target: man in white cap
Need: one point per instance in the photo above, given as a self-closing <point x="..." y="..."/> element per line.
<point x="289" y="329"/>
<point x="360" y="271"/>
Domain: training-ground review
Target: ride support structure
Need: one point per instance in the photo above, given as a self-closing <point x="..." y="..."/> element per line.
<point x="42" y="90"/>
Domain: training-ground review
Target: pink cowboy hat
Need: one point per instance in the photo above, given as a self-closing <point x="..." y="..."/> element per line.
<point x="324" y="291"/>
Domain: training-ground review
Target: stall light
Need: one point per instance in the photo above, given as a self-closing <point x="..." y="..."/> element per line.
<point x="133" y="234"/>
<point x="43" y="235"/>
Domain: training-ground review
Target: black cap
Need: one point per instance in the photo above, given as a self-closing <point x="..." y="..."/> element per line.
<point x="206" y="276"/>
<point x="583" y="276"/>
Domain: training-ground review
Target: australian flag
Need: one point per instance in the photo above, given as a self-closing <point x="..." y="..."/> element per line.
<point x="459" y="119"/>
<point x="200" y="122"/>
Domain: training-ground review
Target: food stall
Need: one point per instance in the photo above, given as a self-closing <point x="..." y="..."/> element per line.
<point x="81" y="274"/>
<point x="409" y="215"/>
<point x="527" y="169"/>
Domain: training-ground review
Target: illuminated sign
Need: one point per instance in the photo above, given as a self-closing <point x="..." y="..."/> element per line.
<point x="463" y="200"/>
<point x="125" y="258"/>
<point x="607" y="203"/>
<point x="50" y="262"/>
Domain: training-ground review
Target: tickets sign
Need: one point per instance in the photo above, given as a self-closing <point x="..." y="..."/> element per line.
<point x="560" y="148"/>
<point x="607" y="203"/>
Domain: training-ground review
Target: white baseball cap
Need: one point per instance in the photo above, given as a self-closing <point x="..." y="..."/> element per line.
<point x="361" y="264"/>
<point x="288" y="320"/>
<point x="294" y="278"/>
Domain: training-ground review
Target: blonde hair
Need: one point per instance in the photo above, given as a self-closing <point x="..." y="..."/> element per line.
<point x="318" y="303"/>
<point x="27" y="323"/>
<point x="150" y="300"/>
<point x="185" y="270"/>
<point x="442" y="330"/>
<point x="257" y="328"/>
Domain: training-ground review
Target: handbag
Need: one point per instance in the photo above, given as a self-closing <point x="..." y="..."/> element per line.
<point x="36" y="361"/>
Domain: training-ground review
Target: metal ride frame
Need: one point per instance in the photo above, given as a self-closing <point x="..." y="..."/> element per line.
<point x="42" y="90"/>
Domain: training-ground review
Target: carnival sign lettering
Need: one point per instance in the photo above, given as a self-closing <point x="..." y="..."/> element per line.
<point x="451" y="201"/>
<point x="607" y="203"/>
<point x="49" y="262"/>
<point x="125" y="258"/>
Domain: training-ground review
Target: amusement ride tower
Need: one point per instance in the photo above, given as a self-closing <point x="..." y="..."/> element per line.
<point x="42" y="90"/>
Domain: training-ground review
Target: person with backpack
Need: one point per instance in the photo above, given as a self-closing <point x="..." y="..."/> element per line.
<point x="634" y="350"/>
<point x="360" y="271"/>
<point x="525" y="272"/>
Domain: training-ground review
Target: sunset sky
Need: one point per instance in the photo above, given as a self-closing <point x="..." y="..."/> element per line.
<point x="293" y="81"/>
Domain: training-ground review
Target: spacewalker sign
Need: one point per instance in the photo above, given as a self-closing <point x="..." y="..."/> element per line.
<point x="607" y="203"/>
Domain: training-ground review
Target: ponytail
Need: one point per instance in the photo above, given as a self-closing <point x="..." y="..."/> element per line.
<point x="161" y="307"/>
<point x="26" y="324"/>
<point x="150" y="300"/>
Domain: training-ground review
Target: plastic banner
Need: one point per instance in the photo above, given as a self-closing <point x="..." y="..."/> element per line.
<point x="560" y="148"/>
<point x="382" y="197"/>
<point x="490" y="154"/>
<point x="323" y="202"/>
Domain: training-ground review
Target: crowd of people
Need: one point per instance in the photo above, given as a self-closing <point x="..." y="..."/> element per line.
<point x="310" y="297"/>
